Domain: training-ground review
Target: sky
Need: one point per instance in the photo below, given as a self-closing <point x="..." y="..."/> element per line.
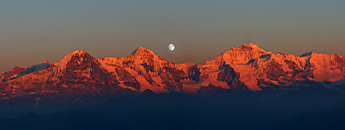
<point x="38" y="30"/>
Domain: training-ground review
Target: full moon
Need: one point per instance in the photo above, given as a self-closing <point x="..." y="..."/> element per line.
<point x="171" y="47"/>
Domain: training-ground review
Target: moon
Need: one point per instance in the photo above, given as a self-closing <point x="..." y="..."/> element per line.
<point x="171" y="47"/>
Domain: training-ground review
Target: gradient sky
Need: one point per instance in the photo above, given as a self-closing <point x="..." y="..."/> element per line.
<point x="32" y="31"/>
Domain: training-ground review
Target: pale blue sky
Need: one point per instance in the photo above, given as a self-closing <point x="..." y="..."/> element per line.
<point x="32" y="31"/>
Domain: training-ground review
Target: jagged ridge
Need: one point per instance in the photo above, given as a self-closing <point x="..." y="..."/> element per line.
<point x="248" y="67"/>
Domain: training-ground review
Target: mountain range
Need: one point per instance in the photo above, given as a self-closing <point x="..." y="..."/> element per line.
<point x="247" y="68"/>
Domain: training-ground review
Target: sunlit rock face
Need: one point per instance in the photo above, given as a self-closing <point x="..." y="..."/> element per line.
<point x="232" y="78"/>
<point x="259" y="68"/>
<point x="12" y="74"/>
<point x="148" y="69"/>
<point x="246" y="68"/>
<point x="81" y="73"/>
<point x="194" y="73"/>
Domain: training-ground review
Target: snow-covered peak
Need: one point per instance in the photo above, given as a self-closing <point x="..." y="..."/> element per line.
<point x="139" y="56"/>
<point x="143" y="55"/>
<point x="79" y="52"/>
<point x="241" y="54"/>
<point x="251" y="47"/>
<point x="142" y="50"/>
<point x="62" y="63"/>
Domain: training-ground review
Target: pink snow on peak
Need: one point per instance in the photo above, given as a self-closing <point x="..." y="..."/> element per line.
<point x="142" y="50"/>
<point x="62" y="63"/>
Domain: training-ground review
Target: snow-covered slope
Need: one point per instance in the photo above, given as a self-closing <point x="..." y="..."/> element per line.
<point x="148" y="69"/>
<point x="247" y="67"/>
<point x="81" y="71"/>
<point x="259" y="68"/>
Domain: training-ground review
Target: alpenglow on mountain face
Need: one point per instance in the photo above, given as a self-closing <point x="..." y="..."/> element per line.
<point x="247" y="68"/>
